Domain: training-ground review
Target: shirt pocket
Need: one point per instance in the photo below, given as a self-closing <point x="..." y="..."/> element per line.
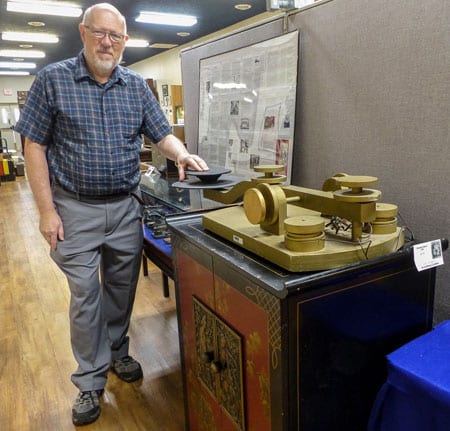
<point x="75" y="126"/>
<point x="129" y="123"/>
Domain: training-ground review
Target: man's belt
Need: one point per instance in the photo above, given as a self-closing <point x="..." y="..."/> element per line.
<point x="97" y="198"/>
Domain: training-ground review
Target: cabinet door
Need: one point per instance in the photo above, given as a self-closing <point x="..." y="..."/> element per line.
<point x="255" y="315"/>
<point x="195" y="279"/>
<point x="240" y="310"/>
<point x="219" y="362"/>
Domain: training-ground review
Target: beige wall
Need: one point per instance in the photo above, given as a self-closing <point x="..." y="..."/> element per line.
<point x="13" y="83"/>
<point x="166" y="67"/>
<point x="9" y="86"/>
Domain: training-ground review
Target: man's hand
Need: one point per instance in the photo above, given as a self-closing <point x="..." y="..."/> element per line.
<point x="190" y="162"/>
<point x="51" y="228"/>
<point x="175" y="150"/>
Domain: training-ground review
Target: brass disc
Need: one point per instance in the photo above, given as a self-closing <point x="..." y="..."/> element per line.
<point x="386" y="211"/>
<point x="269" y="174"/>
<point x="270" y="180"/>
<point x="365" y="195"/>
<point x="303" y="225"/>
<point x="356" y="181"/>
<point x="273" y="196"/>
<point x="306" y="245"/>
<point x="269" y="169"/>
<point x="331" y="184"/>
<point x="254" y="206"/>
<point x="384" y="227"/>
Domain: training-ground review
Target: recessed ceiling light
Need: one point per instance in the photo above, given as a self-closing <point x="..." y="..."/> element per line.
<point x="26" y="45"/>
<point x="183" y="34"/>
<point x="36" y="23"/>
<point x="14" y="72"/>
<point x="167" y="19"/>
<point x="163" y="45"/>
<point x="136" y="43"/>
<point x="243" y="6"/>
<point x="44" y="8"/>
<point x="21" y="52"/>
<point x="30" y="37"/>
<point x="13" y="65"/>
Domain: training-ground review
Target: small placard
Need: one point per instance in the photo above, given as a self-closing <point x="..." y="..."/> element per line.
<point x="428" y="255"/>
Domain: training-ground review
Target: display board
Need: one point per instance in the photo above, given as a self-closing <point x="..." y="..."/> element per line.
<point x="247" y="106"/>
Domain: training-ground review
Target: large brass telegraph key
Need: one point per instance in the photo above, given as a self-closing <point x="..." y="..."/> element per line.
<point x="298" y="221"/>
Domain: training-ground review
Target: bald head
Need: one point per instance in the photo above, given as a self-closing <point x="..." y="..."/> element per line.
<point x="100" y="7"/>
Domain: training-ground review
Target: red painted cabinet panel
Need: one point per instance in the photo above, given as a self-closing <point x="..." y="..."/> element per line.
<point x="230" y="347"/>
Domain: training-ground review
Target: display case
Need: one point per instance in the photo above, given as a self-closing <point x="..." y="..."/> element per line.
<point x="161" y="200"/>
<point x="267" y="349"/>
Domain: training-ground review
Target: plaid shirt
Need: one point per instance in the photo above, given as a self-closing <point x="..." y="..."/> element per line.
<point x="92" y="131"/>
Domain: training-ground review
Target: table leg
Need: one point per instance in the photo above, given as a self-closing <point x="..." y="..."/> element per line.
<point x="165" y="285"/>
<point x="144" y="265"/>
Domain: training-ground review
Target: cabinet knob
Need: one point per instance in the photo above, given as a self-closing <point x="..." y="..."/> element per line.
<point x="216" y="366"/>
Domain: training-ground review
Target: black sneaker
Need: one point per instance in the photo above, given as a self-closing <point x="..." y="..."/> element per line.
<point x="127" y="369"/>
<point x="86" y="408"/>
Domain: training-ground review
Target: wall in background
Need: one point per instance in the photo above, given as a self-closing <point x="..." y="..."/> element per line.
<point x="10" y="85"/>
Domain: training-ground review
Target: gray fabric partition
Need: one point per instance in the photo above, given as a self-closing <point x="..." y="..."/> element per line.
<point x="373" y="99"/>
<point x="374" y="87"/>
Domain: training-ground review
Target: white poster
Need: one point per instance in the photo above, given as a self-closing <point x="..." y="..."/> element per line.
<point x="247" y="106"/>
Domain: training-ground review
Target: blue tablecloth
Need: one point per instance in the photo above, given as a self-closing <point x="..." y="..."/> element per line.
<point x="416" y="395"/>
<point x="157" y="242"/>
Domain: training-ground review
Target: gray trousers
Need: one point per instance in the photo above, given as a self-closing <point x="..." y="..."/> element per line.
<point x="100" y="256"/>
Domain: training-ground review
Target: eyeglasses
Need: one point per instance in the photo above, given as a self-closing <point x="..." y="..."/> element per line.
<point x="100" y="34"/>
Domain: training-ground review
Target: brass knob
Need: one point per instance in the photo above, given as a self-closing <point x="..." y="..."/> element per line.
<point x="270" y="174"/>
<point x="216" y="366"/>
<point x="356" y="182"/>
<point x="356" y="191"/>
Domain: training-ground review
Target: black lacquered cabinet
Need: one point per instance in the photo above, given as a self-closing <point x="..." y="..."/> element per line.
<point x="311" y="346"/>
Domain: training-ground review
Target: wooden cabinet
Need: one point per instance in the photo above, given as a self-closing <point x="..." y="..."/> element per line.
<point x="172" y="103"/>
<point x="263" y="349"/>
<point x="225" y="341"/>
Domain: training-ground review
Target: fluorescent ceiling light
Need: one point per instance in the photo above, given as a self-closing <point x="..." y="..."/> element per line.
<point x="137" y="43"/>
<point x="167" y="19"/>
<point x="163" y="45"/>
<point x="13" y="72"/>
<point x="30" y="37"/>
<point x="44" y="8"/>
<point x="16" y="65"/>
<point x="25" y="53"/>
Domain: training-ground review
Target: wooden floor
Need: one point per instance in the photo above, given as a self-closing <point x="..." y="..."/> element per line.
<point x="35" y="355"/>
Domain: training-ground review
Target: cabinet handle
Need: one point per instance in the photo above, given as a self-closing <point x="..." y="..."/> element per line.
<point x="216" y="366"/>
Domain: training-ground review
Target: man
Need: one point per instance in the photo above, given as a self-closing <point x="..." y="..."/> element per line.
<point x="82" y="122"/>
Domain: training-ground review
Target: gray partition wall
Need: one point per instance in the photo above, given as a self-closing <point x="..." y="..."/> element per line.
<point x="373" y="98"/>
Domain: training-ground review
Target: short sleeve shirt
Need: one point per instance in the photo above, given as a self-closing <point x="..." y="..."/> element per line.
<point x="92" y="131"/>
